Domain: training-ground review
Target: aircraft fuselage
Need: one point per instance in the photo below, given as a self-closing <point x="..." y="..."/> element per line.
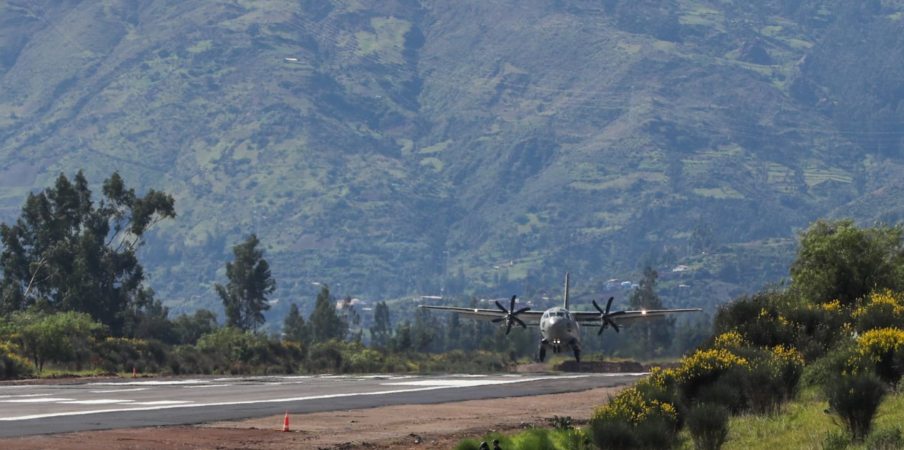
<point x="558" y="330"/>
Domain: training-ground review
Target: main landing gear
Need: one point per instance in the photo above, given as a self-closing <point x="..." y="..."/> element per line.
<point x="556" y="348"/>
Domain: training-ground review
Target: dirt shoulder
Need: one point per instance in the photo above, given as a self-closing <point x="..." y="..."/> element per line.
<point x="389" y="427"/>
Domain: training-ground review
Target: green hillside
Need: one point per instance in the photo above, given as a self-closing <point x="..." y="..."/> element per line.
<point x="404" y="147"/>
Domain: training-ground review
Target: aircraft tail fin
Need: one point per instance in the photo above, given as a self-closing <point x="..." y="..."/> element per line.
<point x="565" y="296"/>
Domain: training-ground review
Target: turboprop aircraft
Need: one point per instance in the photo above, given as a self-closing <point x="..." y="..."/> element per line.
<point x="559" y="327"/>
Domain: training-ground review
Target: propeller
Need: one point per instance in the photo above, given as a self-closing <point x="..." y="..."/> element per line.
<point x="606" y="316"/>
<point x="511" y="316"/>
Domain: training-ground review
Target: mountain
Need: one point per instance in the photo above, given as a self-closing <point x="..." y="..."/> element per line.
<point x="403" y="147"/>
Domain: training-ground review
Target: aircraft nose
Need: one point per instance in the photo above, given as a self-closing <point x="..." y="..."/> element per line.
<point x="556" y="327"/>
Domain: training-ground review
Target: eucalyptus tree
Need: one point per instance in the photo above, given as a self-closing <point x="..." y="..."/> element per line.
<point x="67" y="253"/>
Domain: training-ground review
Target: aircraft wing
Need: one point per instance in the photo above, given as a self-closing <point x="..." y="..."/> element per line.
<point x="531" y="318"/>
<point x="620" y="317"/>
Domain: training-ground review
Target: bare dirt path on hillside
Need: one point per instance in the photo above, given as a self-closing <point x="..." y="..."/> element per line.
<point x="390" y="427"/>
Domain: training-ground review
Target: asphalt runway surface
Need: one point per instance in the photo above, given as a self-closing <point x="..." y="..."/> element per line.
<point x="59" y="408"/>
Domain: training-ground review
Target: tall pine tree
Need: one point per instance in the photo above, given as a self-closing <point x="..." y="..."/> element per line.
<point x="381" y="330"/>
<point x="294" y="327"/>
<point x="324" y="322"/>
<point x="250" y="282"/>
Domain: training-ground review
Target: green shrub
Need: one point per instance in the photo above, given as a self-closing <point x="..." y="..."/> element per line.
<point x="885" y="439"/>
<point x="468" y="444"/>
<point x="562" y="423"/>
<point x="536" y="439"/>
<point x="823" y="370"/>
<point x="123" y="354"/>
<point x="818" y="328"/>
<point x="12" y="364"/>
<point x="836" y="440"/>
<point x="758" y="319"/>
<point x="855" y="399"/>
<point x="771" y="378"/>
<point x="610" y="432"/>
<point x="187" y="359"/>
<point x="708" y="426"/>
<point x="726" y="391"/>
<point x="326" y="357"/>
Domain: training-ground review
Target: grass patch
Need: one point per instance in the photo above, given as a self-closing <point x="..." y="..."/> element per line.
<point x="803" y="424"/>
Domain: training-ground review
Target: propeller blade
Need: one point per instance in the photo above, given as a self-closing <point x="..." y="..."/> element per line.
<point x="602" y="327"/>
<point x="520" y="322"/>
<point x="609" y="304"/>
<point x="526" y="308"/>
<point x="502" y="308"/>
<point x="508" y="329"/>
<point x="598" y="308"/>
<point x="614" y="325"/>
<point x="512" y="307"/>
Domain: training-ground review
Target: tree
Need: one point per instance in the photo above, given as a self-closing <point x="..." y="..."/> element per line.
<point x="189" y="328"/>
<point x="645" y="297"/>
<point x="66" y="253"/>
<point x="250" y="282"/>
<point x="324" y="322"/>
<point x="294" y="327"/>
<point x="654" y="335"/>
<point x="838" y="260"/>
<point x="423" y="331"/>
<point x="381" y="330"/>
<point x="60" y="337"/>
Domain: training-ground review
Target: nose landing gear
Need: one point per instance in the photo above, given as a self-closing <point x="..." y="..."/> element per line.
<point x="541" y="351"/>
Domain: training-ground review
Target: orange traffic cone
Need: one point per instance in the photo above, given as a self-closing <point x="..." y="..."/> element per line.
<point x="285" y="423"/>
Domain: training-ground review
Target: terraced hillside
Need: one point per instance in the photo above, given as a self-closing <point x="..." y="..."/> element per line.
<point x="399" y="147"/>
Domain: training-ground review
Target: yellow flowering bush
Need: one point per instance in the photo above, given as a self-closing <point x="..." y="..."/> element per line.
<point x="833" y="306"/>
<point x="882" y="350"/>
<point x="707" y="363"/>
<point x="788" y="355"/>
<point x="633" y="420"/>
<point x="730" y="340"/>
<point x="887" y="297"/>
<point x="883" y="309"/>
<point x="633" y="407"/>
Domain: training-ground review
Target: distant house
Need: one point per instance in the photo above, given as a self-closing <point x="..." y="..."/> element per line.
<point x="681" y="268"/>
<point x="611" y="284"/>
<point x="625" y="285"/>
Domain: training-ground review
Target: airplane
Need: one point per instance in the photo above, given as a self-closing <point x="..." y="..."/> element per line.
<point x="559" y="327"/>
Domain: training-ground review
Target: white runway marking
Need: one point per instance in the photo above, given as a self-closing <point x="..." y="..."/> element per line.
<point x="37" y="400"/>
<point x="151" y="383"/>
<point x="163" y="403"/>
<point x="101" y="401"/>
<point x="24" y="395"/>
<point x="113" y="391"/>
<point x="474" y="382"/>
<point x="205" y="386"/>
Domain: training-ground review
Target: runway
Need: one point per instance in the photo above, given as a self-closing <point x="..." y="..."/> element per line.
<point x="45" y="409"/>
